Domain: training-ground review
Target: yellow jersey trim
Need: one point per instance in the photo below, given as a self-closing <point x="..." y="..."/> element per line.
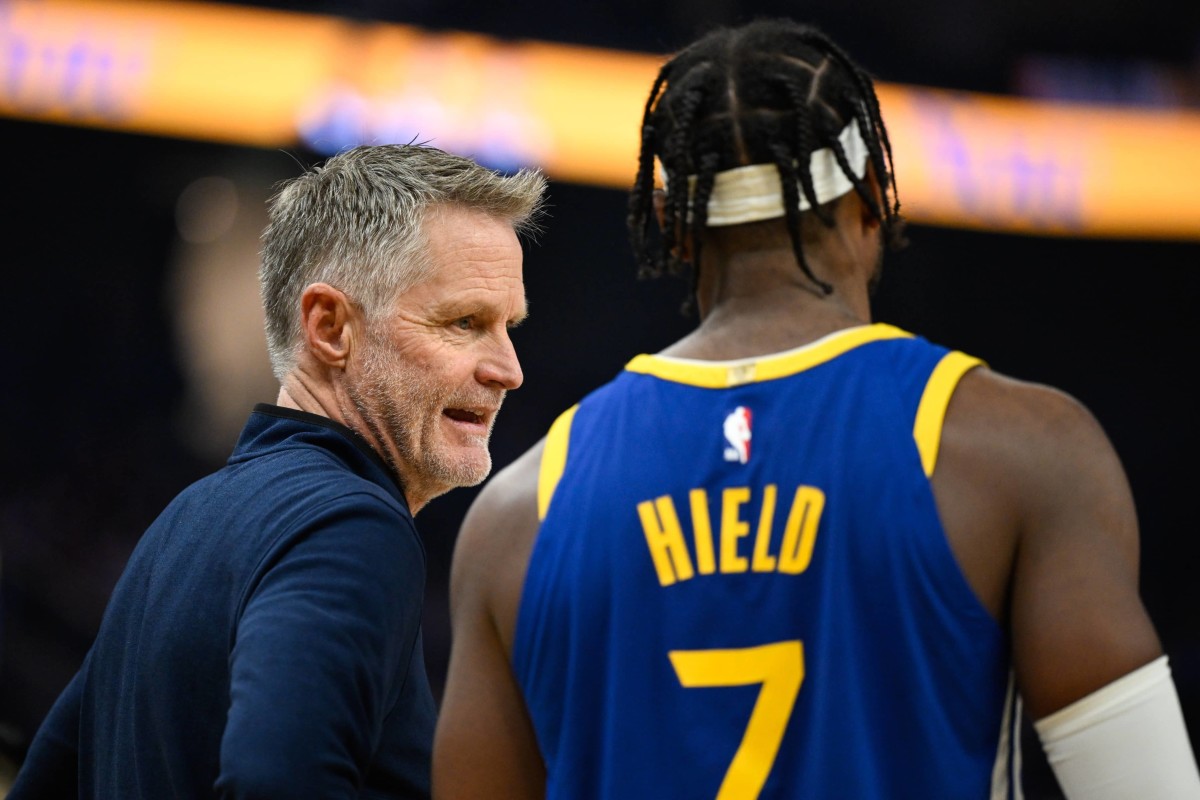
<point x="554" y="459"/>
<point x="931" y="413"/>
<point x="726" y="374"/>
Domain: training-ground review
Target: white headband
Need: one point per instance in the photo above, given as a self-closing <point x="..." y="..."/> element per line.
<point x="754" y="193"/>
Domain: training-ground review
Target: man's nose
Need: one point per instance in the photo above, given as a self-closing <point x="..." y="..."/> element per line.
<point x="500" y="366"/>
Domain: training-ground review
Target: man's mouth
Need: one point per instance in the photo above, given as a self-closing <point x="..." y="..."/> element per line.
<point x="465" y="415"/>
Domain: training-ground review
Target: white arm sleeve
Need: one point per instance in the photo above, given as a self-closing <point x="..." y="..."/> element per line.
<point x="1125" y="740"/>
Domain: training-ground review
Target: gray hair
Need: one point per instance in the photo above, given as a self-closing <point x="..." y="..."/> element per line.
<point x="356" y="223"/>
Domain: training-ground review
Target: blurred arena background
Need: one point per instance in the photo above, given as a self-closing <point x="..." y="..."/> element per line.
<point x="1048" y="154"/>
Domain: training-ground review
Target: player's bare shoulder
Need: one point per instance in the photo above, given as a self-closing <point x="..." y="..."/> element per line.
<point x="495" y="541"/>
<point x="1028" y="439"/>
<point x="1021" y="463"/>
<point x="506" y="507"/>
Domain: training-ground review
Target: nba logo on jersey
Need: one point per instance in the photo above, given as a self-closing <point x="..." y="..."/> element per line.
<point x="737" y="435"/>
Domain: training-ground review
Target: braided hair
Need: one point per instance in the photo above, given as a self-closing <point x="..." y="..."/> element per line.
<point x="769" y="92"/>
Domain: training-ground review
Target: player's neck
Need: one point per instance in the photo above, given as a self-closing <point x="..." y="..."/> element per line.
<point x="754" y="303"/>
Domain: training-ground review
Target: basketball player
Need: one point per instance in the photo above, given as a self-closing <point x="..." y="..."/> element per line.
<point x="798" y="554"/>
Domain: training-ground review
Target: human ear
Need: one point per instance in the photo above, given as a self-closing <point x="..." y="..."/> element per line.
<point x="325" y="317"/>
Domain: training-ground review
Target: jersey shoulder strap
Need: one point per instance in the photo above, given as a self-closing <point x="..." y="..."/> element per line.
<point x="554" y="459"/>
<point x="931" y="412"/>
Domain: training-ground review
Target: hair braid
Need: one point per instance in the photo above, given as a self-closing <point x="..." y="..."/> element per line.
<point x="860" y="185"/>
<point x="785" y="162"/>
<point x="879" y="146"/>
<point x="807" y="143"/>
<point x="677" y="222"/>
<point x="704" y="186"/>
<point x="649" y="261"/>
<point x="639" y="223"/>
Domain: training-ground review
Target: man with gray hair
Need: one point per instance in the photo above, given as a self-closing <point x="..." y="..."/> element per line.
<point x="264" y="640"/>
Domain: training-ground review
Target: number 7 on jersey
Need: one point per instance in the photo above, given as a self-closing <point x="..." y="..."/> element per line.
<point x="779" y="667"/>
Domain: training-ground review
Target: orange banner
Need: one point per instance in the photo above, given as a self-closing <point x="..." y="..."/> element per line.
<point x="1005" y="164"/>
<point x="271" y="78"/>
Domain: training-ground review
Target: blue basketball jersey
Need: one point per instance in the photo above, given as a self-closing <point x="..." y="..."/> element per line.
<point x="741" y="587"/>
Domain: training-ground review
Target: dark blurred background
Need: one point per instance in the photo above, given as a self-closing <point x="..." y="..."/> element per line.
<point x="130" y="365"/>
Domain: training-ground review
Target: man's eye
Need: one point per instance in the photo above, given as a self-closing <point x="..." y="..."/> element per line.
<point x="464" y="324"/>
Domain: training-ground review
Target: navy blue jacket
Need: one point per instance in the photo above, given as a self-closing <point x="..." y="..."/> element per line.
<point x="263" y="641"/>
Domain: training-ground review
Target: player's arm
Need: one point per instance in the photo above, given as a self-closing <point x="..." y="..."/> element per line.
<point x="1084" y="648"/>
<point x="485" y="744"/>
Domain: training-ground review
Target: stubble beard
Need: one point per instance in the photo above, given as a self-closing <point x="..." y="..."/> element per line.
<point x="403" y="404"/>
